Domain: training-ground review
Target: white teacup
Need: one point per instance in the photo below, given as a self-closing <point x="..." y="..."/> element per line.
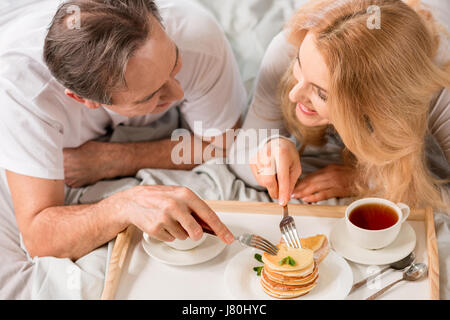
<point x="376" y="239"/>
<point x="181" y="244"/>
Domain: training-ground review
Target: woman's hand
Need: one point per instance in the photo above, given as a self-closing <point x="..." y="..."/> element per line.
<point x="332" y="181"/>
<point x="277" y="167"/>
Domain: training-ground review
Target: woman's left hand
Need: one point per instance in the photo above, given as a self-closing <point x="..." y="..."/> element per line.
<point x="333" y="181"/>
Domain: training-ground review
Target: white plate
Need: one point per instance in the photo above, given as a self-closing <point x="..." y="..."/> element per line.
<point x="403" y="245"/>
<point x="335" y="278"/>
<point x="207" y="250"/>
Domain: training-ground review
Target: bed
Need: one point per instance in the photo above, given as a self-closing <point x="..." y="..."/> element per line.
<point x="249" y="25"/>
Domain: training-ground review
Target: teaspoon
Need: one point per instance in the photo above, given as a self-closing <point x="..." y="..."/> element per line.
<point x="398" y="265"/>
<point x="413" y="273"/>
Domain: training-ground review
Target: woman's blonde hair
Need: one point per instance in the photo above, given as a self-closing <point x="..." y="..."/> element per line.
<point x="382" y="81"/>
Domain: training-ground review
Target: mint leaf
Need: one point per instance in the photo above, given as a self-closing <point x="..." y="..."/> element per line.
<point x="291" y="261"/>
<point x="258" y="257"/>
<point x="287" y="260"/>
<point x="258" y="270"/>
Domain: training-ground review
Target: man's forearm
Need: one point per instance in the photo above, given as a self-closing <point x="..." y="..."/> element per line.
<point x="73" y="231"/>
<point x="133" y="156"/>
<point x="94" y="161"/>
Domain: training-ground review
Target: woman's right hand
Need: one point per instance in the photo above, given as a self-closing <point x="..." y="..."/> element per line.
<point x="277" y="167"/>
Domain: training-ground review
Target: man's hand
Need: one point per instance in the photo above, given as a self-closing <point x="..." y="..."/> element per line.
<point x="90" y="162"/>
<point x="332" y="181"/>
<point x="164" y="212"/>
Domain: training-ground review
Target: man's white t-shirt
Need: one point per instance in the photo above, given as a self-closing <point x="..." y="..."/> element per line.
<point x="37" y="120"/>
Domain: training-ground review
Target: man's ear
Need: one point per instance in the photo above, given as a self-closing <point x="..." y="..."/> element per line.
<point x="88" y="103"/>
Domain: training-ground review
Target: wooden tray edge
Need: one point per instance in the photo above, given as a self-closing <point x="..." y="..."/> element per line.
<point x="433" y="255"/>
<point x="294" y="209"/>
<point x="116" y="262"/>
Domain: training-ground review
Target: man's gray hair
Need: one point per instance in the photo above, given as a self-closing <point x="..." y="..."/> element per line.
<point x="89" y="44"/>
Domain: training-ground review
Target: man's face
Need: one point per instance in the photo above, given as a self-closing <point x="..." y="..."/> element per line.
<point x="150" y="77"/>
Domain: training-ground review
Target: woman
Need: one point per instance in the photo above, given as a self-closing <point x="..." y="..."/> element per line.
<point x="371" y="74"/>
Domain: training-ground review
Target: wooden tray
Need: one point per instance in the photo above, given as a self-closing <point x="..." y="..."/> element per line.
<point x="123" y="239"/>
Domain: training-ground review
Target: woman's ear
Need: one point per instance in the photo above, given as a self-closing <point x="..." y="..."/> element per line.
<point x="88" y="103"/>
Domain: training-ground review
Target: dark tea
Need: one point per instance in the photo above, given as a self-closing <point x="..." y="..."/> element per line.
<point x="373" y="216"/>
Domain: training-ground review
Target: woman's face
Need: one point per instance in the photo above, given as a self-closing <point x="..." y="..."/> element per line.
<point x="310" y="94"/>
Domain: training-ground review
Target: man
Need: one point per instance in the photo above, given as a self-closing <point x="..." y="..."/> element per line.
<point x="108" y="63"/>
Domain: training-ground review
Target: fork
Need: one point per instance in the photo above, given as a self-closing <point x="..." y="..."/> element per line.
<point x="258" y="242"/>
<point x="247" y="239"/>
<point x="288" y="230"/>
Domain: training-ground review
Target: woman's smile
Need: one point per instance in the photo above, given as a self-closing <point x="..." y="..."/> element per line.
<point x="305" y="109"/>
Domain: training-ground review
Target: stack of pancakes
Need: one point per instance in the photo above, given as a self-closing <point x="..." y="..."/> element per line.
<point x="287" y="281"/>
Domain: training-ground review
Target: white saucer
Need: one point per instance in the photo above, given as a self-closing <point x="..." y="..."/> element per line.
<point x="403" y="245"/>
<point x="207" y="250"/>
<point x="335" y="278"/>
